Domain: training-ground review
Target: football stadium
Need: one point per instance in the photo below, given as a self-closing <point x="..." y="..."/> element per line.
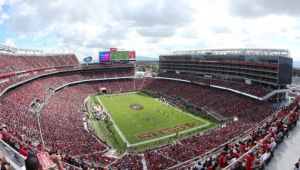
<point x="210" y="108"/>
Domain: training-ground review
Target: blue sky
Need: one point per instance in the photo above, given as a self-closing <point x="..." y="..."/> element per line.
<point x="150" y="27"/>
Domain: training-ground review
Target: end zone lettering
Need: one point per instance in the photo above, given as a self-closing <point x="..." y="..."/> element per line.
<point x="162" y="132"/>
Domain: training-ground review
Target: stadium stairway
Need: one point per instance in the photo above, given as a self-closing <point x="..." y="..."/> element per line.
<point x="142" y="84"/>
<point x="111" y="163"/>
<point x="144" y="162"/>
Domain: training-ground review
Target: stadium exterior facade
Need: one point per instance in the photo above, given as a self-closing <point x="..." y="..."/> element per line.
<point x="270" y="68"/>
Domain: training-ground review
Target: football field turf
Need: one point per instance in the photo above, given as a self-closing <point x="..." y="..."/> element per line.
<point x="129" y="112"/>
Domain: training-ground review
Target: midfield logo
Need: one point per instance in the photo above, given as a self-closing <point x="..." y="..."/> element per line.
<point x="136" y="107"/>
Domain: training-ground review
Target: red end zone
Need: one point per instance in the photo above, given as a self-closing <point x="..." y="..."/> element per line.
<point x="165" y="131"/>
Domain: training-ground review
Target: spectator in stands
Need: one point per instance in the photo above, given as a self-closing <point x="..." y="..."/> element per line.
<point x="273" y="144"/>
<point x="239" y="166"/>
<point x="265" y="156"/>
<point x="250" y="161"/>
<point x="199" y="166"/>
<point x="3" y="133"/>
<point x="28" y="150"/>
<point x="266" y="145"/>
<point x="223" y="160"/>
<point x="56" y="160"/>
<point x="32" y="162"/>
<point x="81" y="162"/>
<point x="279" y="136"/>
<point x="232" y="160"/>
<point x="4" y="165"/>
<point x="22" y="151"/>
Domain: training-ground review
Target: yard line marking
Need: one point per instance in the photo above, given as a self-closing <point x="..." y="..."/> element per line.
<point x="157" y="115"/>
<point x="133" y="120"/>
<point x="114" y="124"/>
<point x="167" y="136"/>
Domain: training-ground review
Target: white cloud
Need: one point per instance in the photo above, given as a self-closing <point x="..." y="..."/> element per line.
<point x="2" y="2"/>
<point x="9" y="42"/>
<point x="221" y="30"/>
<point x="157" y="31"/>
<point x="3" y="16"/>
<point x="156" y="27"/>
<point x="22" y="36"/>
<point x="259" y="8"/>
<point x="40" y="34"/>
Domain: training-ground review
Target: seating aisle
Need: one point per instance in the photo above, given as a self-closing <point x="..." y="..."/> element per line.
<point x="288" y="152"/>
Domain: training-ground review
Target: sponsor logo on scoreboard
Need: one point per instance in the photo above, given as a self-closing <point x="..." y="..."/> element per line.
<point x="113" y="49"/>
<point x="88" y="59"/>
<point x="165" y="131"/>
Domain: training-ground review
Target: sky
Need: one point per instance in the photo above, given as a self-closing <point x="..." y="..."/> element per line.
<point x="150" y="27"/>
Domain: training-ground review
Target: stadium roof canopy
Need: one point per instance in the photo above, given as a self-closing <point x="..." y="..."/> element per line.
<point x="236" y="51"/>
<point x="15" y="50"/>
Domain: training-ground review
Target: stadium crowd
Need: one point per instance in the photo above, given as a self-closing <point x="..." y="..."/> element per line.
<point x="255" y="90"/>
<point x="18" y="68"/>
<point x="61" y="119"/>
<point x="226" y="103"/>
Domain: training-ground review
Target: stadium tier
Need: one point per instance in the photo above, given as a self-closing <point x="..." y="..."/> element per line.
<point x="270" y="69"/>
<point x="43" y="107"/>
<point x="15" y="69"/>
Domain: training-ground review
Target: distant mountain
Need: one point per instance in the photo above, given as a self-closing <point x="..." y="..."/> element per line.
<point x="143" y="58"/>
<point x="296" y="64"/>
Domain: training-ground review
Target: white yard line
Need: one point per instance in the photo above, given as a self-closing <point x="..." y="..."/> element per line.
<point x="152" y="140"/>
<point x="114" y="124"/>
<point x="163" y="137"/>
<point x="177" y="109"/>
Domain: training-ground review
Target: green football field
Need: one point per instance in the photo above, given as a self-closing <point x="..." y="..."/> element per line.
<point x="116" y="55"/>
<point x="130" y="111"/>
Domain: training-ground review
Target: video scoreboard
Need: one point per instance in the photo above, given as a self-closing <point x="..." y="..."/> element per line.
<point x="115" y="55"/>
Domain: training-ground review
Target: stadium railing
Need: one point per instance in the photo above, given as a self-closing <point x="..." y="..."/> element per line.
<point x="257" y="146"/>
<point x="213" y="153"/>
<point x="15" y="159"/>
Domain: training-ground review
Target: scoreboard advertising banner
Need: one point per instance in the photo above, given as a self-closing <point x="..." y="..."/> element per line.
<point x="114" y="55"/>
<point x="132" y="55"/>
<point x="104" y="56"/>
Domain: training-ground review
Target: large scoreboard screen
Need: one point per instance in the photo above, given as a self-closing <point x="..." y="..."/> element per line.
<point x="122" y="55"/>
<point x="116" y="55"/>
<point x="119" y="55"/>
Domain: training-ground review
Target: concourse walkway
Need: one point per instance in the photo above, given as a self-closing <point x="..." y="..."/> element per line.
<point x="288" y="152"/>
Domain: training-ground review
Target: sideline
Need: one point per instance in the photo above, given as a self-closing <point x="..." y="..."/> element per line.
<point x="152" y="140"/>
<point x="114" y="124"/>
